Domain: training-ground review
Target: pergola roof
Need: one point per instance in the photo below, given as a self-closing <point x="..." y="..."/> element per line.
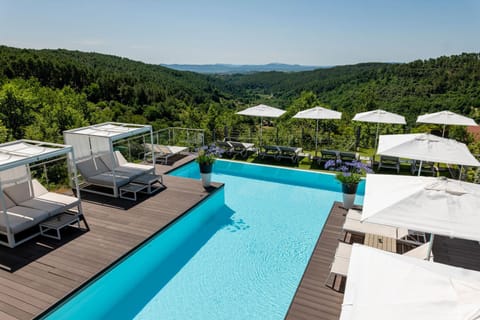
<point x="112" y="130"/>
<point x="22" y="152"/>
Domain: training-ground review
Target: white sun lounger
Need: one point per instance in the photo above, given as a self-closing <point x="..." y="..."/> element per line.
<point x="124" y="168"/>
<point x="96" y="173"/>
<point x="353" y="225"/>
<point x="35" y="196"/>
<point x="163" y="152"/>
<point x="341" y="260"/>
<point x="20" y="218"/>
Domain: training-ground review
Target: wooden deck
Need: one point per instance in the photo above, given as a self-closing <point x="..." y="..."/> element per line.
<point x="314" y="300"/>
<point x="44" y="270"/>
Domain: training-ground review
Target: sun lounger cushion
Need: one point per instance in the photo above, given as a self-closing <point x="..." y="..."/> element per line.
<point x="21" y="218"/>
<point x="89" y="168"/>
<point x="125" y="166"/>
<point x="19" y="192"/>
<point x="23" y="195"/>
<point x="106" y="179"/>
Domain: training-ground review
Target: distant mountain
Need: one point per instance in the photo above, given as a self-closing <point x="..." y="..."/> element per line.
<point x="240" y="68"/>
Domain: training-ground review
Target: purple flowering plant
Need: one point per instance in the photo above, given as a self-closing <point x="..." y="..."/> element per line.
<point x="348" y="172"/>
<point x="208" y="154"/>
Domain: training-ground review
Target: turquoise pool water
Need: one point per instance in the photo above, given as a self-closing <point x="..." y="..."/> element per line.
<point x="239" y="255"/>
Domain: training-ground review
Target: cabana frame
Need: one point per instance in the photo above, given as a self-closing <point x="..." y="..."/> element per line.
<point x="23" y="153"/>
<point x="98" y="140"/>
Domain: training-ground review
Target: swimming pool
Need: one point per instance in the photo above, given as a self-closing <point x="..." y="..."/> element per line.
<point x="238" y="255"/>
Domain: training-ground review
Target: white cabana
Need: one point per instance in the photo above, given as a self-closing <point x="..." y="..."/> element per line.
<point x="379" y="116"/>
<point x="16" y="159"/>
<point x="262" y="111"/>
<point x="426" y="147"/>
<point x="382" y="285"/>
<point x="97" y="140"/>
<point x="318" y="113"/>
<point x="446" y="118"/>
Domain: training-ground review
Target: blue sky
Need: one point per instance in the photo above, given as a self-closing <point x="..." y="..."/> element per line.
<point x="246" y="31"/>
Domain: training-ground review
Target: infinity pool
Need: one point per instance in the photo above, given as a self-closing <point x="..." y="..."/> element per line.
<point x="238" y="255"/>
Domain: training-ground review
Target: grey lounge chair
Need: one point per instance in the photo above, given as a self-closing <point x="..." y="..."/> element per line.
<point x="95" y="172"/>
<point x="292" y="153"/>
<point x="226" y="147"/>
<point x="327" y="155"/>
<point x="163" y="152"/>
<point x="269" y="152"/>
<point x="242" y="148"/>
<point x="20" y="218"/>
<point x="389" y="163"/>
<point x="117" y="162"/>
<point x="347" y="156"/>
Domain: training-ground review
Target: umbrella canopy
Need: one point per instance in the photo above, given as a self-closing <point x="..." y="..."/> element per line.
<point x="426" y="147"/>
<point x="318" y="113"/>
<point x="446" y="118"/>
<point x="262" y="111"/>
<point x="435" y="205"/>
<point x="379" y="116"/>
<point x="398" y="287"/>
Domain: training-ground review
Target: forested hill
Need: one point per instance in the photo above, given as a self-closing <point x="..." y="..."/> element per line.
<point x="106" y="77"/>
<point x="43" y="92"/>
<point x="411" y="89"/>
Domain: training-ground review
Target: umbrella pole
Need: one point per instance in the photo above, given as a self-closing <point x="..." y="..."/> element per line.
<point x="420" y="168"/>
<point x="375" y="148"/>
<point x="316" y="139"/>
<point x="443" y="132"/>
<point x="430" y="247"/>
<point x="261" y="123"/>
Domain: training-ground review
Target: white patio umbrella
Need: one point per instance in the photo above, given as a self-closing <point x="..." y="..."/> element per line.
<point x="384" y="285"/>
<point x="436" y="205"/>
<point x="262" y="111"/>
<point x="446" y="118"/>
<point x="379" y="116"/>
<point x="318" y="113"/>
<point x="426" y="147"/>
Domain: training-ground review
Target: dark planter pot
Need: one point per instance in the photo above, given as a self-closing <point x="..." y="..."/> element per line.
<point x="205" y="168"/>
<point x="349" y="188"/>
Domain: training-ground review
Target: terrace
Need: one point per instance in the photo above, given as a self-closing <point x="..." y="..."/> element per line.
<point x="43" y="271"/>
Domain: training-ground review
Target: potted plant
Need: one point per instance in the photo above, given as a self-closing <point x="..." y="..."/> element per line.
<point x="349" y="174"/>
<point x="206" y="158"/>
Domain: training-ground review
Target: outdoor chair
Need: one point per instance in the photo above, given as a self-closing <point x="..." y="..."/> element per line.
<point x="95" y="172"/>
<point x="347" y="156"/>
<point x="427" y="166"/>
<point x="20" y="218"/>
<point x="292" y="153"/>
<point x="35" y="196"/>
<point x="163" y="152"/>
<point x="389" y="163"/>
<point x="269" y="151"/>
<point x="226" y="147"/>
<point x="353" y="225"/>
<point x="328" y="155"/>
<point x="241" y="148"/>
<point x="122" y="167"/>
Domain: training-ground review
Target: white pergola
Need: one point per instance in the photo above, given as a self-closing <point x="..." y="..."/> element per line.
<point x="98" y="139"/>
<point x="15" y="160"/>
